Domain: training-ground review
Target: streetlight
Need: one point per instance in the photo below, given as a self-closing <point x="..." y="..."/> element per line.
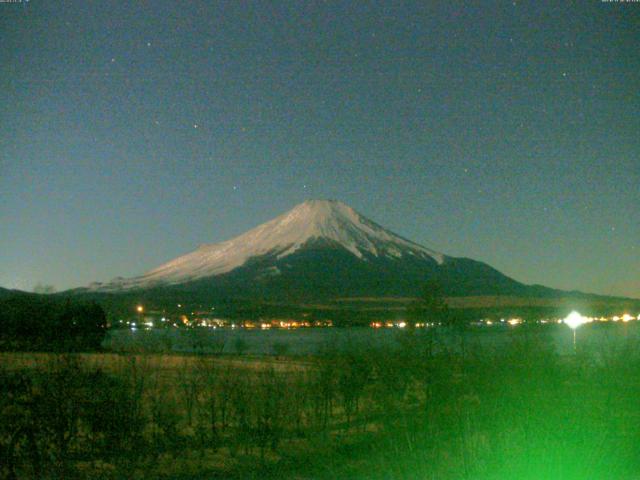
<point x="139" y="310"/>
<point x="573" y="321"/>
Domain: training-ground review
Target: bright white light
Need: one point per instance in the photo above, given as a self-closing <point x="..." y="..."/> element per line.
<point x="574" y="320"/>
<point x="402" y="324"/>
<point x="626" y="317"/>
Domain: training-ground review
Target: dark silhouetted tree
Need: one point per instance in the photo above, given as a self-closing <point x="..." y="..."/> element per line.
<point x="431" y="306"/>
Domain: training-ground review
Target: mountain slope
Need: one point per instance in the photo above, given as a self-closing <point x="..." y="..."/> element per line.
<point x="318" y="250"/>
<point x="325" y="270"/>
<point x="331" y="222"/>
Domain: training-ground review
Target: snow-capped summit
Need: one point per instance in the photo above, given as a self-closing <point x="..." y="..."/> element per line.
<point x="328" y="221"/>
<point x="321" y="256"/>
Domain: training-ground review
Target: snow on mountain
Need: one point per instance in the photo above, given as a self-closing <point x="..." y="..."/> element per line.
<point x="326" y="220"/>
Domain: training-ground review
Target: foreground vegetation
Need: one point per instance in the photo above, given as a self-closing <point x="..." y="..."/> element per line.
<point x="414" y="411"/>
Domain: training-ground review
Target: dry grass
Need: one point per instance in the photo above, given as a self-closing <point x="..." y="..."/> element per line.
<point x="110" y="362"/>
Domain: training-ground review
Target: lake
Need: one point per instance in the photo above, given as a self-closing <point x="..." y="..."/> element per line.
<point x="305" y="341"/>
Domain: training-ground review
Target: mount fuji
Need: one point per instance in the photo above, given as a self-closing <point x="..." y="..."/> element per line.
<point x="319" y="249"/>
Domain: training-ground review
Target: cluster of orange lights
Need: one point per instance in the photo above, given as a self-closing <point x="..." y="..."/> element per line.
<point x="205" y="321"/>
<point x="286" y="324"/>
<point x="400" y="324"/>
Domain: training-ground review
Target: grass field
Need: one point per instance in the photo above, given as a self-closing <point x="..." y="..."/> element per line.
<point x="115" y="362"/>
<point x="411" y="411"/>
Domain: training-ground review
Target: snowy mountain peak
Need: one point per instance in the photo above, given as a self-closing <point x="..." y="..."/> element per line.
<point x="326" y="220"/>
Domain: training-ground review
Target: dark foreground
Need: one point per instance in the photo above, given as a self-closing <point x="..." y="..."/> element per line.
<point x="402" y="412"/>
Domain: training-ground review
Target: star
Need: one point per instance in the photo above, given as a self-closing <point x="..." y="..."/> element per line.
<point x="148" y="44"/>
<point x="195" y="125"/>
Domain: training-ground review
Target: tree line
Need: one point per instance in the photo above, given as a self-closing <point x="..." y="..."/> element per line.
<point x="49" y="323"/>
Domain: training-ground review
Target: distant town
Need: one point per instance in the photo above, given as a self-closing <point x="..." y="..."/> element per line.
<point x="157" y="319"/>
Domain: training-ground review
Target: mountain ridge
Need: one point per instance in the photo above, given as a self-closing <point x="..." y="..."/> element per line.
<point x="319" y="250"/>
<point x="284" y="235"/>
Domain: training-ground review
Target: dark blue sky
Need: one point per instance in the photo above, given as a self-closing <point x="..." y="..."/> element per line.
<point x="508" y="132"/>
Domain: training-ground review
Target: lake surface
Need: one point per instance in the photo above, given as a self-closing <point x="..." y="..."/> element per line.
<point x="596" y="337"/>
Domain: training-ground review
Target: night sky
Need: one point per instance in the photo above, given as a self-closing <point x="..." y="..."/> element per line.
<point x="132" y="132"/>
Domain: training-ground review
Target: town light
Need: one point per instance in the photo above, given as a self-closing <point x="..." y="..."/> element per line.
<point x="574" y="320"/>
<point x="139" y="308"/>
